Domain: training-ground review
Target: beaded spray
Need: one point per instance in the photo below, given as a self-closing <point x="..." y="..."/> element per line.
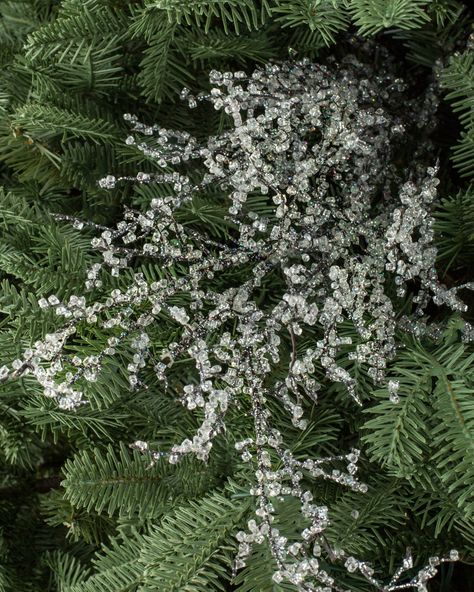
<point x="320" y="142"/>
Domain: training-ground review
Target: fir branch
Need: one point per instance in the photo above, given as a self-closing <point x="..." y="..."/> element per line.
<point x="235" y="13"/>
<point x="66" y="571"/>
<point x="372" y="16"/>
<point x="397" y="435"/>
<point x="192" y="548"/>
<point x="454" y="225"/>
<point x="117" y="569"/>
<point x="162" y="72"/>
<point x="123" y="481"/>
<point x="45" y="123"/>
<point x="217" y="46"/>
<point x="454" y="438"/>
<point x="326" y="17"/>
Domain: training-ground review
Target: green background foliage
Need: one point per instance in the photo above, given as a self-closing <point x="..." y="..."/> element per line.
<point x="80" y="511"/>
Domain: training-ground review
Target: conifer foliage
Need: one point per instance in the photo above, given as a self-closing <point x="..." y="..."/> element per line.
<point x="243" y="359"/>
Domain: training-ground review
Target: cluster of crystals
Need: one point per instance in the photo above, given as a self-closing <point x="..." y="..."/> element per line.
<point x="316" y="144"/>
<point x="417" y="582"/>
<point x="294" y="562"/>
<point x="352" y="565"/>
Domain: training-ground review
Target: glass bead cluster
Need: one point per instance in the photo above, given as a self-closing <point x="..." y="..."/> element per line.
<point x="319" y="142"/>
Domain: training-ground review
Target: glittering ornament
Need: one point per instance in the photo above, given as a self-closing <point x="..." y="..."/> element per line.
<point x="317" y="144"/>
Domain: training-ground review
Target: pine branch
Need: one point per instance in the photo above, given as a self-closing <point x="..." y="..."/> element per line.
<point x="65" y="570"/>
<point x="454" y="438"/>
<point x="372" y="16"/>
<point x="44" y="123"/>
<point x="218" y="46"/>
<point x="397" y="435"/>
<point x="117" y="570"/>
<point x="360" y="523"/>
<point x="454" y="225"/>
<point x="192" y="548"/>
<point x="163" y="74"/>
<point x="124" y="482"/>
<point x="458" y="78"/>
<point x="231" y="13"/>
<point x="326" y="17"/>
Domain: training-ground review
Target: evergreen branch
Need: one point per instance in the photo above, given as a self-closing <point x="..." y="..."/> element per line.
<point x="87" y="422"/>
<point x="66" y="570"/>
<point x="445" y="12"/>
<point x="218" y="46"/>
<point x="192" y="548"/>
<point x="454" y="225"/>
<point x="377" y="518"/>
<point x="463" y="153"/>
<point x="437" y="509"/>
<point x="200" y="13"/>
<point x="326" y="17"/>
<point x="90" y="68"/>
<point x="19" y="446"/>
<point x="117" y="570"/>
<point x="18" y="264"/>
<point x="88" y="20"/>
<point x="372" y="16"/>
<point x="17" y="19"/>
<point x="124" y="482"/>
<point x="31" y="161"/>
<point x="82" y="164"/>
<point x="433" y="42"/>
<point x="187" y="552"/>
<point x="112" y="482"/>
<point x="306" y="41"/>
<point x="14" y="301"/>
<point x="162" y="73"/>
<point x="397" y="435"/>
<point x="454" y="439"/>
<point x="45" y="122"/>
<point x="458" y="79"/>
<point x="81" y="525"/>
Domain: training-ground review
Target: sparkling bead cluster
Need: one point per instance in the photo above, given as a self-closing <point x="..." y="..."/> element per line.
<point x="317" y="143"/>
